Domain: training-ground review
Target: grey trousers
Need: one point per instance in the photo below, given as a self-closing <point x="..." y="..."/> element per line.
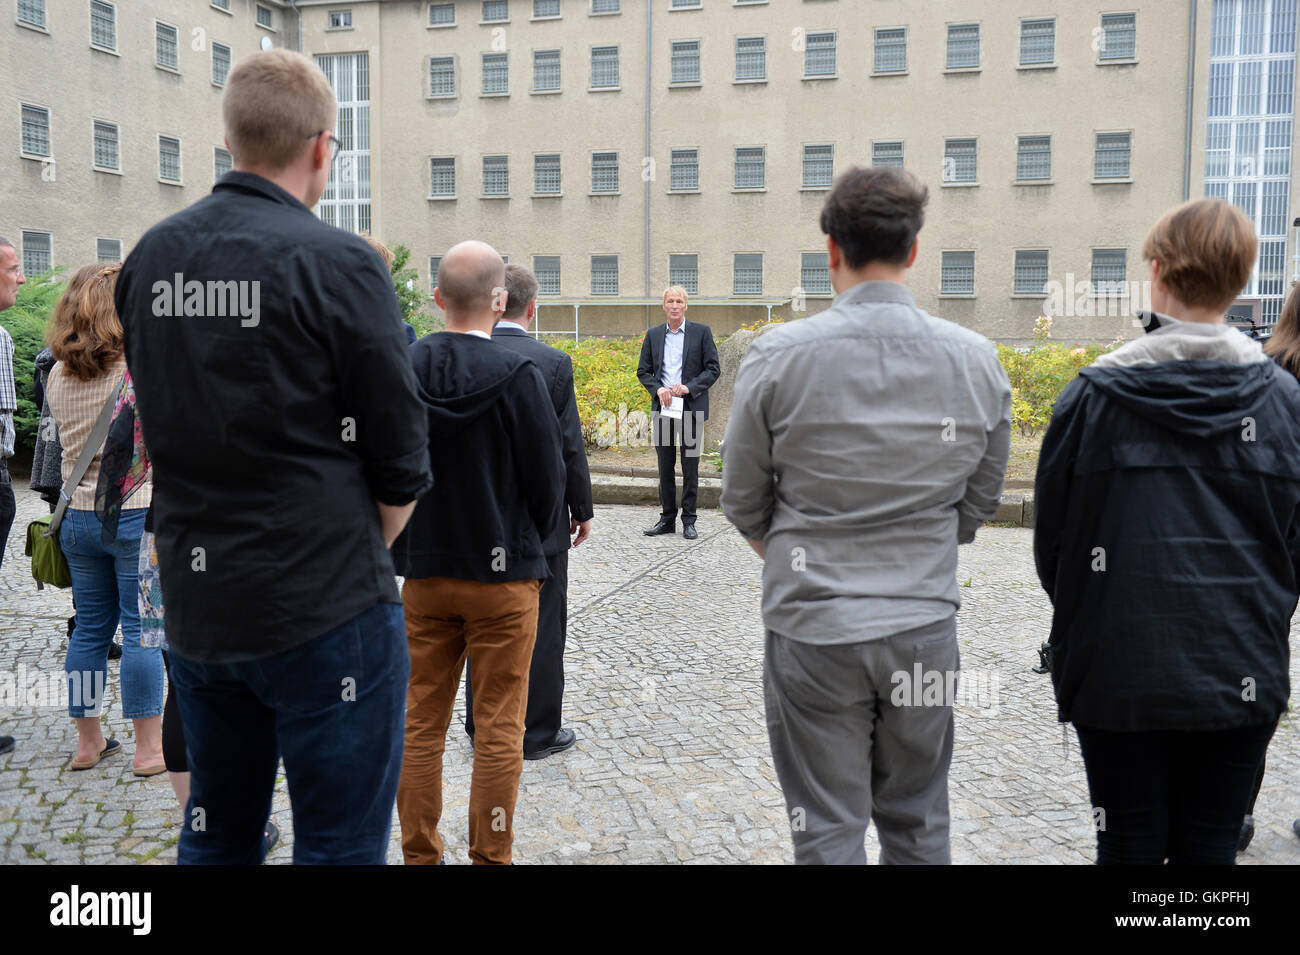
<point x="847" y="753"/>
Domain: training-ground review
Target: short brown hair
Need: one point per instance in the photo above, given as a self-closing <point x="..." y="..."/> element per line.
<point x="1284" y="344"/>
<point x="1206" y="249"/>
<point x="85" y="333"/>
<point x="384" y="251"/>
<point x="874" y="214"/>
<point x="274" y="101"/>
<point x="521" y="288"/>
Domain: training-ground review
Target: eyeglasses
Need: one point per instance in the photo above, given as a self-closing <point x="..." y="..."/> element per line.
<point x="335" y="145"/>
<point x="15" y="270"/>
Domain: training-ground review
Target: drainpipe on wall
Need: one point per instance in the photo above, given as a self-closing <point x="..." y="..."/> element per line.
<point x="293" y="4"/>
<point x="649" y="58"/>
<point x="1191" y="89"/>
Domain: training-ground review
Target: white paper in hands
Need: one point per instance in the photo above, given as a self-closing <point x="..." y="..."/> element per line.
<point x="674" y="408"/>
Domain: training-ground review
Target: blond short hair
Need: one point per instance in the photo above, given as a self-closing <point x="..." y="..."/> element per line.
<point x="384" y="251"/>
<point x="274" y="101"/>
<point x="675" y="289"/>
<point x="1206" y="249"/>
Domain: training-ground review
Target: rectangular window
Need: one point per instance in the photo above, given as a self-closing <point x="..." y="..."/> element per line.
<point x="751" y="167"/>
<point x="1218" y="149"/>
<point x="963" y="46"/>
<point x="38" y="255"/>
<point x="1109" y="271"/>
<point x="221" y="4"/>
<point x="496" y="72"/>
<point x="887" y="154"/>
<point x="546" y="174"/>
<point x="819" y="54"/>
<point x="1250" y="82"/>
<point x="1281" y="77"/>
<point x="434" y="262"/>
<point x="1037" y="42"/>
<point x="221" y="162"/>
<point x="169" y="159"/>
<point x="220" y="63"/>
<point x="684" y="170"/>
<point x="442" y="14"/>
<point x="103" y="25"/>
<point x="1114" y="151"/>
<point x="545" y="8"/>
<point x="814" y="273"/>
<point x="495" y="11"/>
<point x="166" y="38"/>
<point x="36" y="130"/>
<point x="442" y="76"/>
<point x="604" y="275"/>
<point x="340" y="19"/>
<point x="684" y="4"/>
<point x="1253" y="27"/>
<point x="891" y="51"/>
<point x="442" y="176"/>
<point x="1220" y="101"/>
<point x="108" y="250"/>
<point x="751" y="58"/>
<point x="604" y="172"/>
<point x="546" y="70"/>
<point x="747" y="273"/>
<point x="1031" y="271"/>
<point x="684" y="270"/>
<point x="1277" y="147"/>
<point x="1282" y="36"/>
<point x="604" y="6"/>
<point x="604" y="67"/>
<point x="106" y="145"/>
<point x="1118" y="36"/>
<point x="686" y="61"/>
<point x="959" y="160"/>
<point x="264" y="17"/>
<point x="32" y="12"/>
<point x="1272" y="213"/>
<point x="957" y="274"/>
<point x="547" y="270"/>
<point x="1243" y="197"/>
<point x="818" y="166"/>
<point x="346" y="200"/>
<point x="1034" y="158"/>
<point x="496" y="175"/>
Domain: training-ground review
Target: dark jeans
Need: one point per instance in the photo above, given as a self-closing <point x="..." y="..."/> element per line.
<point x="669" y="435"/>
<point x="334" y="708"/>
<point x="1176" y="796"/>
<point x="8" y="508"/>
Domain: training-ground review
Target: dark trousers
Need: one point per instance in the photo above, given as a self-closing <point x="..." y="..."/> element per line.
<point x="334" y="708"/>
<point x="8" y="508"/>
<point x="669" y="436"/>
<point x="1176" y="796"/>
<point x="546" y="672"/>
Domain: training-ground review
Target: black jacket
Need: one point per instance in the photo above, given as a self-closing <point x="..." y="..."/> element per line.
<point x="700" y="368"/>
<point x="1166" y="534"/>
<point x="494" y="446"/>
<point x="557" y="371"/>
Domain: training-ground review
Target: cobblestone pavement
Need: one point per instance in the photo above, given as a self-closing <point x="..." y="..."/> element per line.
<point x="665" y="693"/>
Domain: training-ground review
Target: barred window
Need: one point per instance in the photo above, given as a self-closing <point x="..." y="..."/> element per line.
<point x="604" y="172"/>
<point x="751" y="58"/>
<point x="1109" y="271"/>
<point x="1037" y="41"/>
<point x="819" y="54"/>
<point x="32" y="12"/>
<point x="684" y="270"/>
<point x="684" y="171"/>
<point x="442" y="176"/>
<point x="747" y="273"/>
<point x="683" y="4"/>
<point x="887" y="154"/>
<point x="604" y="67"/>
<point x="222" y="162"/>
<point x="959" y="160"/>
<point x="818" y="166"/>
<point x="546" y="70"/>
<point x="1277" y="147"/>
<point x="169" y="159"/>
<point x="1031" y="271"/>
<point x="220" y="63"/>
<point x="221" y="4"/>
<point x="494" y="11"/>
<point x="963" y="46"/>
<point x="1247" y="135"/>
<point x="1272" y="212"/>
<point x="1281" y="80"/>
<point x="686" y="61"/>
<point x="1272" y="269"/>
<point x="1250" y="82"/>
<point x="1220" y="99"/>
<point x="545" y="8"/>
<point x="264" y="16"/>
<point x="604" y="275"/>
<point x="1118" y="36"/>
<point x="435" y="261"/>
<point x="36" y="130"/>
<point x="1253" y="27"/>
<point x="496" y="72"/>
<point x="165" y="43"/>
<point x="751" y="167"/>
<point x="604" y="6"/>
<point x="442" y="76"/>
<point x="547" y="270"/>
<point x="103" y="25"/>
<point x="106" y="149"/>
<point x="1112" y="157"/>
<point x="1243" y="197"/>
<point x="340" y="19"/>
<point x="496" y="175"/>
<point x="38" y="256"/>
<point x="814" y="273"/>
<point x="1218" y="145"/>
<point x="442" y="14"/>
<point x="1034" y="158"/>
<point x="108" y="250"/>
<point x="891" y="51"/>
<point x="1282" y="36"/>
<point x="546" y="174"/>
<point x="957" y="274"/>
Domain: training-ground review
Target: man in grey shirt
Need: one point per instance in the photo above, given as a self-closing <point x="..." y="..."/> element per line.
<point x="864" y="445"/>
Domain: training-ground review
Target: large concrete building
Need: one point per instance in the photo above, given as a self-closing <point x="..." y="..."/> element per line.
<point x="620" y="145"/>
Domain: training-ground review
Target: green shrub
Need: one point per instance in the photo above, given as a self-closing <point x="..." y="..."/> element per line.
<point x="605" y="382"/>
<point x="1040" y="373"/>
<point x="25" y="323"/>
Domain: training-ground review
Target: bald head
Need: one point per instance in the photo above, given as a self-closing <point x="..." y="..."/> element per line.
<point x="468" y="277"/>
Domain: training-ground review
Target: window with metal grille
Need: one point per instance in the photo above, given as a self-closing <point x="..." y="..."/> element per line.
<point x="891" y="51"/>
<point x="1218" y="149"/>
<point x="221" y="4"/>
<point x="818" y="166"/>
<point x="103" y="25"/>
<point x="220" y="63"/>
<point x="1031" y="271"/>
<point x="442" y="176"/>
<point x="1277" y="147"/>
<point x="686" y="61"/>
<point x="38" y="256"/>
<point x="346" y="200"/>
<point x="751" y="58"/>
<point x="1037" y="41"/>
<point x="442" y="14"/>
<point x="1109" y="271"/>
<point x="264" y="17"/>
<point x="434" y="262"/>
<point x="546" y="70"/>
<point x="496" y="72"/>
<point x="684" y="169"/>
<point x="963" y="46"/>
<point x="1112" y="156"/>
<point x="683" y="4"/>
<point x="887" y="154"/>
<point x="546" y="174"/>
<point x="442" y="76"/>
<point x="36" y="130"/>
<point x="108" y="250"/>
<point x="165" y="40"/>
<point x="496" y="175"/>
<point x="221" y="162"/>
<point x="604" y="172"/>
<point x="959" y="160"/>
<point x="1118" y="36"/>
<point x="1250" y="81"/>
<point x="545" y="8"/>
<point x="751" y="167"/>
<point x="1247" y="149"/>
<point x="106" y="155"/>
<point x="495" y="11"/>
<point x="1281" y="81"/>
<point x="604" y="275"/>
<point x="819" y="54"/>
<point x="747" y="273"/>
<point x="1272" y="211"/>
<point x="32" y="12"/>
<point x="1220" y="98"/>
<point x="547" y="270"/>
<point x="1272" y="268"/>
<point x="957" y="274"/>
<point x="1243" y="197"/>
<point x="814" y="273"/>
<point x="340" y="19"/>
<point x="1254" y="26"/>
<point x="169" y="159"/>
<point x="604" y="6"/>
<point x="604" y="67"/>
<point x="1282" y="35"/>
<point x="1034" y="157"/>
<point x="684" y="270"/>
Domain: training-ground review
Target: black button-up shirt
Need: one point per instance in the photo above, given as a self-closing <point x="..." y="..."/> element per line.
<point x="278" y="404"/>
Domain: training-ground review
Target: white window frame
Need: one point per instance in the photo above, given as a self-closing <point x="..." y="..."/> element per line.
<point x="694" y="287"/>
<point x="735" y="170"/>
<point x="22" y="251"/>
<point x="428" y="72"/>
<point x="443" y="196"/>
<point x="559" y="73"/>
<point x="117" y="142"/>
<point x="699" y="62"/>
<point x="230" y="62"/>
<point x="345" y="19"/>
<point x="156" y="62"/>
<point x="618" y="69"/>
<point x="99" y="46"/>
<point x="735" y="273"/>
<point x="49" y="132"/>
<point x="591" y="277"/>
<point x="99" y="256"/>
<point x="559" y="274"/>
<point x="950" y="293"/>
<point x="559" y="178"/>
<point x="691" y="190"/>
<point x="180" y="168"/>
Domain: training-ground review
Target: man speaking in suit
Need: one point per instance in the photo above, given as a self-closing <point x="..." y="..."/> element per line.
<point x="543" y="734"/>
<point x="679" y="363"/>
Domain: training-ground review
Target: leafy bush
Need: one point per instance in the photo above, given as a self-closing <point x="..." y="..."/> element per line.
<point x="604" y="379"/>
<point x="1040" y="373"/>
<point x="25" y="323"/>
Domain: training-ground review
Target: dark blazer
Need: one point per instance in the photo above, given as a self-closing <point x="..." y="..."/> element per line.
<point x="557" y="372"/>
<point x="700" y="368"/>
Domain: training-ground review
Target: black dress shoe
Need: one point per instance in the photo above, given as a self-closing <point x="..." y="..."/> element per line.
<point x="1247" y="833"/>
<point x="663" y="527"/>
<point x="115" y="651"/>
<point x="688" y="531"/>
<point x="6" y="744"/>
<point x="272" y="835"/>
<point x="564" y="738"/>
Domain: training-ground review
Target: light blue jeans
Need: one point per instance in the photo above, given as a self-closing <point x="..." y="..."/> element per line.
<point x="105" y="584"/>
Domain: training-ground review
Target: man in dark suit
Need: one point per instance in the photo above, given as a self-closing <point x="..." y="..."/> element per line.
<point x="543" y="734"/>
<point x="679" y="363"/>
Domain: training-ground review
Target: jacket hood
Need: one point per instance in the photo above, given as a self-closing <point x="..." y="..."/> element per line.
<point x="1193" y="378"/>
<point x="460" y="377"/>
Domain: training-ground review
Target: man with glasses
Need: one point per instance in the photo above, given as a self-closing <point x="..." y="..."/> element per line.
<point x="11" y="278"/>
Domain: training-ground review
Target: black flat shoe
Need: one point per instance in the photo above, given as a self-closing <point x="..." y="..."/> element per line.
<point x="272" y="836"/>
<point x="1247" y="833"/>
<point x="663" y="527"/>
<point x="564" y="739"/>
<point x="115" y="651"/>
<point x="688" y="531"/>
